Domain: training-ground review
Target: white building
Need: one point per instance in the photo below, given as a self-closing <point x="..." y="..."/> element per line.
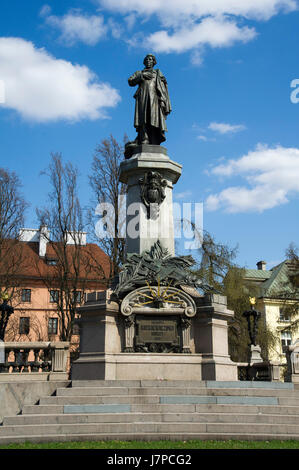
<point x="278" y="300"/>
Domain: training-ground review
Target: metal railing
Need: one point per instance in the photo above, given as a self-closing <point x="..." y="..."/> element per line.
<point x="261" y="371"/>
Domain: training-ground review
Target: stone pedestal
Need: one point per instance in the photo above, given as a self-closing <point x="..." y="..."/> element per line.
<point x="255" y="354"/>
<point x="106" y="335"/>
<point x="143" y="232"/>
<point x="293" y="362"/>
<point x="160" y="327"/>
<point x="211" y="338"/>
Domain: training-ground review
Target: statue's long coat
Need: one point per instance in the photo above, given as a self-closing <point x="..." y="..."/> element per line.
<point x="152" y="100"/>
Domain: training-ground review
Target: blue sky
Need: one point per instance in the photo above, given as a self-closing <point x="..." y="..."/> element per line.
<point x="229" y="67"/>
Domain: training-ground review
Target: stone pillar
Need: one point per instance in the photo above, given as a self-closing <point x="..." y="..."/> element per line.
<point x="101" y="334"/>
<point x="60" y="351"/>
<point x="255" y="354"/>
<point x="147" y="231"/>
<point x="211" y="338"/>
<point x="129" y="333"/>
<point x="293" y="362"/>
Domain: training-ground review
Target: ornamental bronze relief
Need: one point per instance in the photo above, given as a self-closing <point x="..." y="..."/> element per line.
<point x="152" y="192"/>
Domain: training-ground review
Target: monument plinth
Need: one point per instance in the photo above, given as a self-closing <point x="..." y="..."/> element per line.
<point x="154" y="324"/>
<point x="150" y="176"/>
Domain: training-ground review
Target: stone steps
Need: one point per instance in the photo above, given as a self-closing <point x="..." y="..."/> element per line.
<point x="149" y="427"/>
<point x="183" y="383"/>
<point x="159" y="410"/>
<point x="118" y="391"/>
<point x="167" y="400"/>
<point x="200" y="417"/>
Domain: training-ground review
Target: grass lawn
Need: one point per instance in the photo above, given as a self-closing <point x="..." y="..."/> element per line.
<point x="159" y="445"/>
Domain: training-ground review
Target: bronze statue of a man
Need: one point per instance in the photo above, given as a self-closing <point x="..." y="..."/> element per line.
<point x="152" y="103"/>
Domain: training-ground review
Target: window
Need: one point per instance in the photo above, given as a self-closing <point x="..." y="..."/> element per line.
<point x="51" y="262"/>
<point x="77" y="297"/>
<point x="76" y="329"/>
<point x="26" y="295"/>
<point x="24" y="326"/>
<point x="284" y="315"/>
<point x="286" y="340"/>
<point x="54" y="296"/>
<point x="53" y="326"/>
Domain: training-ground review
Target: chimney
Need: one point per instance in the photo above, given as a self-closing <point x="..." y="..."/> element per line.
<point x="43" y="240"/>
<point x="40" y="236"/>
<point x="261" y="265"/>
<point x="76" y="238"/>
<point x="29" y="235"/>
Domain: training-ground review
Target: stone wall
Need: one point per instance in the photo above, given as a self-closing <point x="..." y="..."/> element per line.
<point x="14" y="395"/>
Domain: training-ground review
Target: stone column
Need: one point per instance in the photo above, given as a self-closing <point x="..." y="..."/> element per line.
<point x="211" y="339"/>
<point x="142" y="231"/>
<point x="293" y="362"/>
<point x="101" y="334"/>
<point x="60" y="351"/>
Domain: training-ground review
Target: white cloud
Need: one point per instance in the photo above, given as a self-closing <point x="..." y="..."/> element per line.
<point x="189" y="24"/>
<point x="185" y="25"/>
<point x="271" y="173"/>
<point x="256" y="9"/>
<point x="42" y="88"/>
<point x="214" y="32"/>
<point x="76" y="26"/>
<point x="224" y="128"/>
<point x="183" y="195"/>
<point x="115" y="28"/>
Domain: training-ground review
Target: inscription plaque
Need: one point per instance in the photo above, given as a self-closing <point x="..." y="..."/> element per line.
<point x="157" y="334"/>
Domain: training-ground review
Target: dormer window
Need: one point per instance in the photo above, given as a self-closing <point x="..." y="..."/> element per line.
<point x="51" y="261"/>
<point x="284" y="315"/>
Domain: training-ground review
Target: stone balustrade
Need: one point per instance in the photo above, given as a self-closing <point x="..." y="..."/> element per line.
<point x="33" y="357"/>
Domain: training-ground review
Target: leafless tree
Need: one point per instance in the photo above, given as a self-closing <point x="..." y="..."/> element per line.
<point x="12" y="210"/>
<point x="107" y="188"/>
<point x="70" y="264"/>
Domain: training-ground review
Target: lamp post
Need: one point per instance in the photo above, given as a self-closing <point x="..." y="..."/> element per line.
<point x="252" y="316"/>
<point x="5" y="312"/>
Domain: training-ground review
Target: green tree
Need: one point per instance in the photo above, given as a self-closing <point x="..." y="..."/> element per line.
<point x="238" y="294"/>
<point x="288" y="291"/>
<point x="218" y="269"/>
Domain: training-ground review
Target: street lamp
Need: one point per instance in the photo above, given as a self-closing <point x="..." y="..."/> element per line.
<point x="5" y="312"/>
<point x="252" y="316"/>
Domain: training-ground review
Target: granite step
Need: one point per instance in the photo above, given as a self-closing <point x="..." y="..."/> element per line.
<point x="182" y="408"/>
<point x="117" y="391"/>
<point x="149" y="427"/>
<point x="78" y="400"/>
<point x="138" y="383"/>
<point x="131" y="417"/>
<point x="169" y="399"/>
<point x="183" y="384"/>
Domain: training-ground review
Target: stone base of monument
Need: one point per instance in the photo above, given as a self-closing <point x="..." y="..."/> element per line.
<point x="175" y="348"/>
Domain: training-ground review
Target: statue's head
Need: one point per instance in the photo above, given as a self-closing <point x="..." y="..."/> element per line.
<point x="150" y="60"/>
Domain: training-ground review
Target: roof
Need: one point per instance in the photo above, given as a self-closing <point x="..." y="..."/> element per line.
<point x="257" y="274"/>
<point x="274" y="283"/>
<point x="94" y="265"/>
